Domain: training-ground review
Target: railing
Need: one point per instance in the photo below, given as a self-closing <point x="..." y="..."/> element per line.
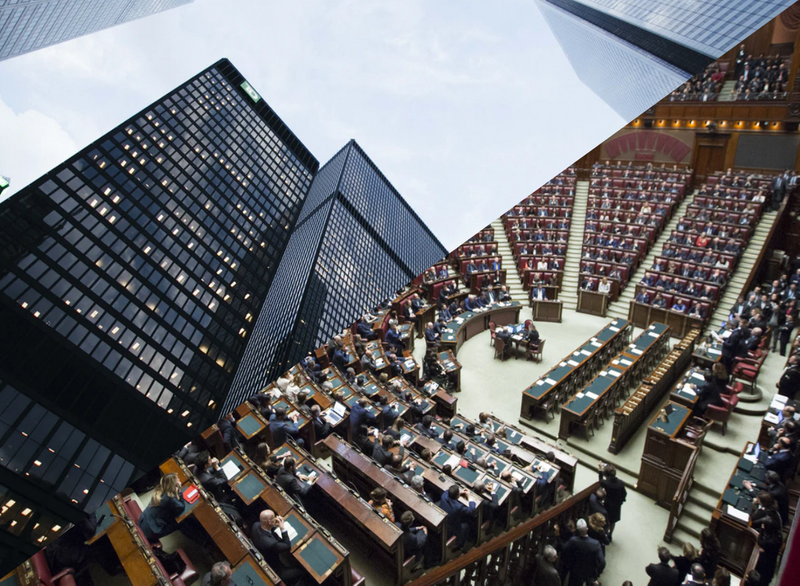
<point x="681" y="496"/>
<point x="757" y="265"/>
<point x="508" y="557"/>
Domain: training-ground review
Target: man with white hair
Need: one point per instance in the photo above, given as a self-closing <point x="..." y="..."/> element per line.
<point x="220" y="575"/>
<point x="583" y="557"/>
<point x="546" y="573"/>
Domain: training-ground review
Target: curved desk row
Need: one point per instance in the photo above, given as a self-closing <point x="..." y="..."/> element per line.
<point x="472" y="323"/>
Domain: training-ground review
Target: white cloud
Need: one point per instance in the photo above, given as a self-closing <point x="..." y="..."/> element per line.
<point x="32" y="144"/>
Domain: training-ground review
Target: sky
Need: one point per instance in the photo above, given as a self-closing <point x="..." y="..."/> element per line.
<point x="466" y="108"/>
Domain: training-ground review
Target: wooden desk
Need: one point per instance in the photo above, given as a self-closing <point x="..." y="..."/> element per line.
<point x="666" y="455"/>
<point x="547" y="310"/>
<point x="134" y="553"/>
<point x="558" y="381"/>
<point x="643" y="315"/>
<point x="471" y="323"/>
<point x="592" y="302"/>
<point x="650" y="394"/>
<point x="736" y="536"/>
<point x="250" y="572"/>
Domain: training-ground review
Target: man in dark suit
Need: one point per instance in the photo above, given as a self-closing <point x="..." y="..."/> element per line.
<point x="281" y="428"/>
<point x="322" y="428"/>
<point x="425" y="427"/>
<point x="231" y="436"/>
<point x="778" y="191"/>
<point x="458" y="514"/>
<point x="730" y="347"/>
<point x="359" y="416"/>
<point x="546" y="573"/>
<point x="381" y="452"/>
<point x="616" y="494"/>
<point x="220" y="575"/>
<point x="781" y="460"/>
<point x="414" y="538"/>
<point x="365" y="331"/>
<point x="583" y="557"/>
<point x="662" y="574"/>
<point x="295" y="485"/>
<point x="271" y="538"/>
<point x="431" y="336"/>
<point x="789" y="382"/>
<point x="209" y="474"/>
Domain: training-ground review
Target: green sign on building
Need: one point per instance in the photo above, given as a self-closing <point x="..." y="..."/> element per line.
<point x="251" y="92"/>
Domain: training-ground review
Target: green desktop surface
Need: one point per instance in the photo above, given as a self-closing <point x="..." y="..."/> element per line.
<point x="581" y="401"/>
<point x="370" y="389"/>
<point x="645" y="340"/>
<point x="317" y="555"/>
<point x="514" y="437"/>
<point x="281" y="403"/>
<point x="298" y="525"/>
<point x="10" y="580"/>
<point x="537" y="390"/>
<point x="246" y="575"/>
<point x="674" y="419"/>
<point x="441" y="457"/>
<point x="466" y="474"/>
<point x="336" y="381"/>
<point x="249" y="424"/>
<point x="251" y="486"/>
<point x="283" y="450"/>
<point x="607" y="333"/>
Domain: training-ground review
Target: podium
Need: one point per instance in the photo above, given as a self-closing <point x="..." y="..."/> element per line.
<point x="592" y="302"/>
<point x="545" y="310"/>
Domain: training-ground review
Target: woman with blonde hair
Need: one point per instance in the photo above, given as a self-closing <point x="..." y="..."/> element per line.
<point x="166" y="505"/>
<point x="597" y="529"/>
<point x="379" y="501"/>
<point x="684" y="561"/>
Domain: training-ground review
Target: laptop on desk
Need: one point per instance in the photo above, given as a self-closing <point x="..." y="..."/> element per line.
<point x="336" y="413"/>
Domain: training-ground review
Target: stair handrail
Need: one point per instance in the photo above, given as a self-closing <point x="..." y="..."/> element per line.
<point x="681" y="496"/>
<point x="453" y="568"/>
<point x="757" y="264"/>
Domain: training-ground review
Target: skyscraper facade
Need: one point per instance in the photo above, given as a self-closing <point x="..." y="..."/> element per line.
<point x="356" y="243"/>
<point x="632" y="53"/>
<point x="131" y="276"/>
<point x="27" y="25"/>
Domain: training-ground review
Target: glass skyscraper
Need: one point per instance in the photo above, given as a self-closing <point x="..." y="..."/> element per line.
<point x="131" y="277"/>
<point x="27" y="25"/>
<point x="632" y="53"/>
<point x="356" y="243"/>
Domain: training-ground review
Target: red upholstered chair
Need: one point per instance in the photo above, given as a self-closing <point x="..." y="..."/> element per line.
<point x="722" y="414"/>
<point x="65" y="577"/>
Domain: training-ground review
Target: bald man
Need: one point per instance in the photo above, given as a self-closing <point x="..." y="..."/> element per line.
<point x="220" y="575"/>
<point x="271" y="538"/>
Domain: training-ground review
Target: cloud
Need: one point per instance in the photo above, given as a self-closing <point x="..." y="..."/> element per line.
<point x="32" y="143"/>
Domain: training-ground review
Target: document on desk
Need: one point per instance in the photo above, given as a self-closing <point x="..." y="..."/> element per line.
<point x="737" y="514"/>
<point x="230" y="469"/>
<point x="562" y="364"/>
<point x="698" y="376"/>
<point x="290" y="531"/>
<point x="625" y="361"/>
<point x="454" y="461"/>
<point x="580" y="396"/>
<point x="549" y="381"/>
<point x="613" y="329"/>
<point x="636" y="351"/>
<point x="687" y="389"/>
<point x="652" y="334"/>
<point x="539" y="383"/>
<point x="780" y="399"/>
<point x="603" y="373"/>
<point x="586" y="352"/>
<point x="614" y="373"/>
<point x="714" y="351"/>
<point x="771" y="418"/>
<point x="591" y="395"/>
<point x="573" y="363"/>
<point x="597" y="344"/>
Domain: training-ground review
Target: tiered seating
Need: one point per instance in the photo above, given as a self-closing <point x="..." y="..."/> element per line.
<point x="628" y="208"/>
<point x="538" y="231"/>
<point x="690" y="275"/>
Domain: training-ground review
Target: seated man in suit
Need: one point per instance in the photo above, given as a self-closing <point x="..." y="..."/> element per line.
<point x="458" y="514"/>
<point x="281" y="428"/>
<point x="425" y="427"/>
<point x="504" y="334"/>
<point x="296" y="485"/>
<point x="211" y="476"/>
<point x="780" y="459"/>
<point x="322" y="428"/>
<point x="271" y="537"/>
<point x="381" y="452"/>
<point x="503" y="295"/>
<point x="679" y="306"/>
<point x="365" y="331"/>
<point x="393" y="339"/>
<point x="431" y="336"/>
<point x="340" y="357"/>
<point x="659" y="301"/>
<point x="642" y="297"/>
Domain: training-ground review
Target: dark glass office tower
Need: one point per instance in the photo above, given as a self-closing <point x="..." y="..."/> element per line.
<point x="356" y="242"/>
<point x="27" y="25"/>
<point x="131" y="277"/>
<point x="632" y="53"/>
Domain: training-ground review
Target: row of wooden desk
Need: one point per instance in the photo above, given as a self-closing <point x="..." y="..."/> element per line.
<point x="472" y="323"/>
<point x="559" y="381"/>
<point x="632" y="413"/>
<point x="642" y="314"/>
<point x="613" y="380"/>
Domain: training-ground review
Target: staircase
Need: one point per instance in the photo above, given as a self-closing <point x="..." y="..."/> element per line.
<point x="513" y="278"/>
<point x="743" y="268"/>
<point x="726" y="94"/>
<point x="569" y="283"/>
<point x="619" y="308"/>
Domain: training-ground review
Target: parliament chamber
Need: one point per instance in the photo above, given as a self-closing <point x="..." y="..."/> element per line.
<point x="626" y="329"/>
